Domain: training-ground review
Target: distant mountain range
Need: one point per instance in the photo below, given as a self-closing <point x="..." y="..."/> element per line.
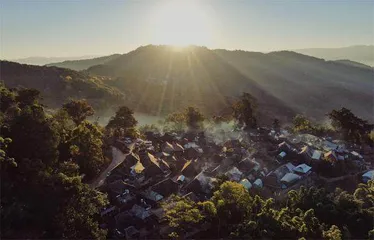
<point x="40" y="61"/>
<point x="361" y="53"/>
<point x="159" y="80"/>
<point x="84" y="63"/>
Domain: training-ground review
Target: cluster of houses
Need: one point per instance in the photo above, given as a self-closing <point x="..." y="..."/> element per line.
<point x="188" y="165"/>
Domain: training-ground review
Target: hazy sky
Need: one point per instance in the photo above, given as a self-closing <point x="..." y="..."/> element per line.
<point x="77" y="27"/>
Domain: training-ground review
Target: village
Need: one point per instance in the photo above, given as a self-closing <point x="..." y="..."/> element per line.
<point x="266" y="162"/>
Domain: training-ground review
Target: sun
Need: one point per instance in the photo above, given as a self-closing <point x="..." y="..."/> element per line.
<point x="181" y="23"/>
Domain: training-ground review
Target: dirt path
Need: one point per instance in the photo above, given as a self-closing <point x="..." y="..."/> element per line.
<point x="117" y="158"/>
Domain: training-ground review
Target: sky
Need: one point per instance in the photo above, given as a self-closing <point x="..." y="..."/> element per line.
<point x="90" y="27"/>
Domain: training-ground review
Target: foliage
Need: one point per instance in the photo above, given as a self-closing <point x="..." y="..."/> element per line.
<point x="149" y="128"/>
<point x="301" y="124"/>
<point x="194" y="117"/>
<point x="307" y="213"/>
<point x="333" y="233"/>
<point x="86" y="148"/>
<point x="276" y="124"/>
<point x="42" y="194"/>
<point x="182" y="214"/>
<point x="78" y="110"/>
<point x="353" y="127"/>
<point x="191" y="117"/>
<point x="244" y="110"/>
<point x="123" y="123"/>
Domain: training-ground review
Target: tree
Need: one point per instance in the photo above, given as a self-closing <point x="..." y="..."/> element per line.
<point x="78" y="110"/>
<point x="182" y="214"/>
<point x="194" y="117"/>
<point x="276" y="124"/>
<point x="333" y="233"/>
<point x="7" y="98"/>
<point x="244" y="110"/>
<point x="353" y="127"/>
<point x="86" y="149"/>
<point x="27" y="97"/>
<point x="301" y="124"/>
<point x="123" y="123"/>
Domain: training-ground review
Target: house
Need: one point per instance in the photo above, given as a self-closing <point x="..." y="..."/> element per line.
<point x="302" y="168"/>
<point x="282" y="170"/>
<point x="258" y="183"/>
<point x="281" y="155"/>
<point x="118" y="187"/>
<point x="152" y="196"/>
<point x="193" y="153"/>
<point x="155" y="166"/>
<point x="316" y="155"/>
<point x="189" y="169"/>
<point x="192" y="196"/>
<point x="125" y="167"/>
<point x="306" y="151"/>
<point x="200" y="184"/>
<point x="108" y="211"/>
<point x="167" y="148"/>
<point x="330" y="156"/>
<point x="234" y="174"/>
<point x="246" y="165"/>
<point x="181" y="178"/>
<point x="140" y="212"/>
<point x="356" y="155"/>
<point x="166" y="187"/>
<point x="289" y="179"/>
<point x="247" y="184"/>
<point x="368" y="176"/>
<point x="131" y="233"/>
<point x="285" y="147"/>
<point x="213" y="170"/>
<point x="177" y="147"/>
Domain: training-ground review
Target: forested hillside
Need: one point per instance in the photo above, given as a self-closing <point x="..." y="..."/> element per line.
<point x="57" y="85"/>
<point x="283" y="82"/>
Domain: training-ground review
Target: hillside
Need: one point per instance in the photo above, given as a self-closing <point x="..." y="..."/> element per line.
<point x="160" y="79"/>
<point x="361" y="53"/>
<point x="58" y="84"/>
<point x="84" y="63"/>
<point x="306" y="84"/>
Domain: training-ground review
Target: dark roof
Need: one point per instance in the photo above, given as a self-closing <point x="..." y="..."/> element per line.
<point x="131" y="160"/>
<point x="194" y="186"/>
<point x="192" y="196"/>
<point x="119" y="186"/>
<point x="166" y="187"/>
<point x="189" y="169"/>
<point x="246" y="165"/>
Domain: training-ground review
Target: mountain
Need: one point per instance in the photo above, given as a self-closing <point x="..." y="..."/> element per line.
<point x="40" y="61"/>
<point x="84" y="63"/>
<point x="160" y="79"/>
<point x="353" y="63"/>
<point x="360" y="53"/>
<point x="57" y="85"/>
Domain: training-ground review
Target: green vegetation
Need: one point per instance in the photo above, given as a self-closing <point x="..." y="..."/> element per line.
<point x="244" y="110"/>
<point x="123" y="123"/>
<point x="58" y="85"/>
<point x="42" y="157"/>
<point x="354" y="128"/>
<point x="301" y="124"/>
<point x="306" y="213"/>
<point x="190" y="118"/>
